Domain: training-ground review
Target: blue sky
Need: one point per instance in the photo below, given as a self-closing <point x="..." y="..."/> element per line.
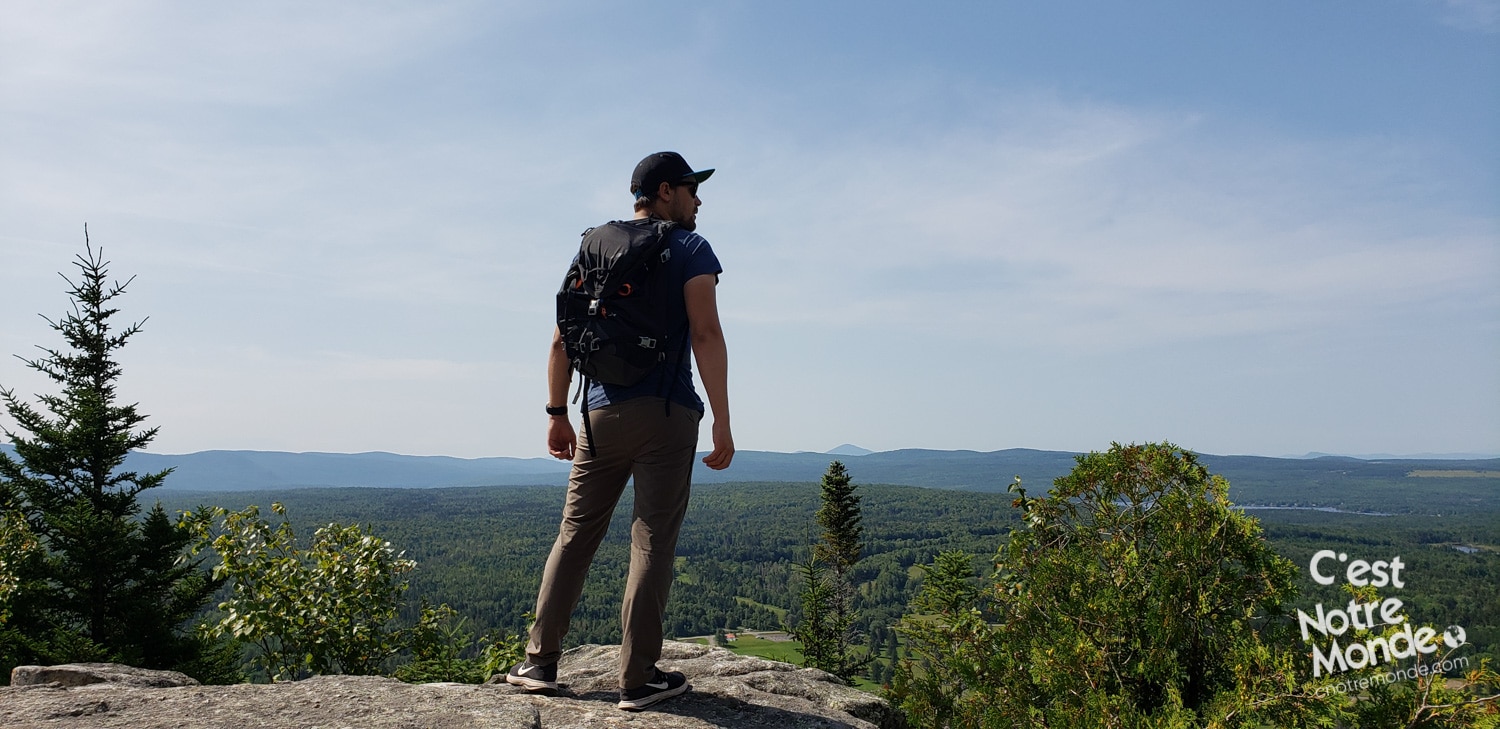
<point x="1265" y="228"/>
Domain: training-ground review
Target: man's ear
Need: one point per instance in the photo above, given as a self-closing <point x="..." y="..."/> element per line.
<point x="664" y="191"/>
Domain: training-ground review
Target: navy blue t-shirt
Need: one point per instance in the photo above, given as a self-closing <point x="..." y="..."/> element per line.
<point x="691" y="257"/>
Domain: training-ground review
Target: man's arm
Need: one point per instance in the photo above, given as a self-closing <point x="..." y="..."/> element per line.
<point x="561" y="440"/>
<point x="713" y="362"/>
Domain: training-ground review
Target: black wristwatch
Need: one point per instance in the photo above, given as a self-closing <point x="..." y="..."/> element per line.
<point x="559" y="410"/>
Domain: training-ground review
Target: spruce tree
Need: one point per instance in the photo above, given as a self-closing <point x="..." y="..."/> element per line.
<point x="109" y="584"/>
<point x="827" y="632"/>
<point x="839" y="516"/>
<point x="815" y="630"/>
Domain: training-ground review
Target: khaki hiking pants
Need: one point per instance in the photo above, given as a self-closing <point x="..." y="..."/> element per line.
<point x="633" y="438"/>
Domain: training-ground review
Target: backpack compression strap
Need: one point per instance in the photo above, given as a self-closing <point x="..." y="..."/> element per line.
<point x="588" y="427"/>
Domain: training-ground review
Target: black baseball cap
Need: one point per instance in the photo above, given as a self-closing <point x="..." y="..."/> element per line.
<point x="663" y="167"/>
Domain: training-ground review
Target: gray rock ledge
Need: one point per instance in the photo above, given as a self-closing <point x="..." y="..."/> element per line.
<point x="70" y="675"/>
<point x="728" y="691"/>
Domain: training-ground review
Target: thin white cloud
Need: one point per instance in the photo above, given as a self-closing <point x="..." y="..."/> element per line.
<point x="1481" y="16"/>
<point x="1109" y="226"/>
<point x="74" y="55"/>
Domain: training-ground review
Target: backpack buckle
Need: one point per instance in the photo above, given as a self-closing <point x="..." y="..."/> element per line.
<point x="648" y="342"/>
<point x="594" y="307"/>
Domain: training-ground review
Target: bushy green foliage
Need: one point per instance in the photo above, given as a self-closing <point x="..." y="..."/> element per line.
<point x="943" y="676"/>
<point x="328" y="608"/>
<point x="1133" y="595"/>
<point x="19" y="553"/>
<point x="17" y="545"/>
<point x="1423" y="701"/>
<point x="439" y="641"/>
<point x="332" y="607"/>
<point x="104" y="584"/>
<point x="1445" y="587"/>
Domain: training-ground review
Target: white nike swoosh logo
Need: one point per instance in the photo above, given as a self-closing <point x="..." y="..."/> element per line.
<point x="657" y="685"/>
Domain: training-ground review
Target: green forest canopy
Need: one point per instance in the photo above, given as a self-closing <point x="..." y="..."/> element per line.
<point x="481" y="549"/>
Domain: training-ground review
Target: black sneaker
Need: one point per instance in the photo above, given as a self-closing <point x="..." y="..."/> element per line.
<point x="532" y="677"/>
<point x="661" y="686"/>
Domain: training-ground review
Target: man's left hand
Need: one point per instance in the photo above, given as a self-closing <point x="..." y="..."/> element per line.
<point x="723" y="447"/>
<point x="561" y="440"/>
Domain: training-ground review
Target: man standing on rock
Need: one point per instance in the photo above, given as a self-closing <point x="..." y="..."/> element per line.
<point x="648" y="431"/>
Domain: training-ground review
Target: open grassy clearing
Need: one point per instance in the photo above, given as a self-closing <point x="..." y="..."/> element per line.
<point x="786" y="651"/>
<point x="779" y="611"/>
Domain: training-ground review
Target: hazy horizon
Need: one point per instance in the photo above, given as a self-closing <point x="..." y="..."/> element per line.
<point x="1443" y="456"/>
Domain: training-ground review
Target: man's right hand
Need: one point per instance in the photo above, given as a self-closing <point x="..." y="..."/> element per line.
<point x="561" y="440"/>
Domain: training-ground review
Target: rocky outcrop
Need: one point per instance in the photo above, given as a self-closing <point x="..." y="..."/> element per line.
<point x="84" y="674"/>
<point x="727" y="691"/>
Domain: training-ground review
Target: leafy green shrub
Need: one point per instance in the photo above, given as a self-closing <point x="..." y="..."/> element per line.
<point x="1426" y="701"/>
<point x="438" y="642"/>
<point x="327" y="609"/>
<point x="1133" y="595"/>
<point x="18" y="547"/>
<point x="332" y="607"/>
<point x="17" y="544"/>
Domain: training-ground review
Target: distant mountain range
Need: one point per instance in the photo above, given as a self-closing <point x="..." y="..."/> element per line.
<point x="966" y="470"/>
<point x="247" y="470"/>
<point x="849" y="449"/>
<point x="1408" y="457"/>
